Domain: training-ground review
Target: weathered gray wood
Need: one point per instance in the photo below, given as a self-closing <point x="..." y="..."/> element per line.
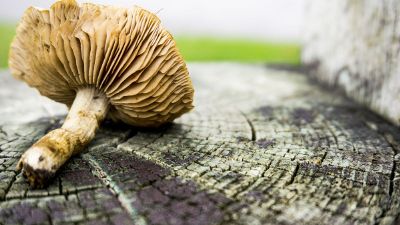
<point x="355" y="45"/>
<point x="262" y="146"/>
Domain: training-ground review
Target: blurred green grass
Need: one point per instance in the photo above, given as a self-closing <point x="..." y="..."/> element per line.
<point x="7" y="32"/>
<point x="202" y="49"/>
<point x="216" y="49"/>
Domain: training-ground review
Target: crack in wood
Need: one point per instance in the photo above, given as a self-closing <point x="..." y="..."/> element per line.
<point x="379" y="129"/>
<point x="253" y="131"/>
<point x="323" y="157"/>
<point x="274" y="177"/>
<point x="332" y="133"/>
<point x="65" y="194"/>
<point x="9" y="186"/>
<point x="294" y="174"/>
<point x="108" y="181"/>
<point x="392" y="178"/>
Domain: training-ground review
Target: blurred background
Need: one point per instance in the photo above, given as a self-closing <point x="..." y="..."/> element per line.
<point x="267" y="31"/>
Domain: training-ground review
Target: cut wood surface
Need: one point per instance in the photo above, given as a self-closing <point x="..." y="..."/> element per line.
<point x="262" y="146"/>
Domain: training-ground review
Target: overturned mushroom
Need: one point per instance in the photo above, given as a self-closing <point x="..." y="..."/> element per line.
<point x="100" y="61"/>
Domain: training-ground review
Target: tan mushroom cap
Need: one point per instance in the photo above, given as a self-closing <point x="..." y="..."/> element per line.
<point x="124" y="53"/>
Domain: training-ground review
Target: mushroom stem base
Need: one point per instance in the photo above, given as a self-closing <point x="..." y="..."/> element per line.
<point x="41" y="161"/>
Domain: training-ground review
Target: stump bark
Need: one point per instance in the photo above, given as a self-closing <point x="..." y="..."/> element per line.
<point x="355" y="45"/>
<point x="263" y="146"/>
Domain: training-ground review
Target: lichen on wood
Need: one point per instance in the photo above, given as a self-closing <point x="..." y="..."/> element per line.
<point x="267" y="147"/>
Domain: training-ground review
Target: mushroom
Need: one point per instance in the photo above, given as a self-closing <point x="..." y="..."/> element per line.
<point x="101" y="61"/>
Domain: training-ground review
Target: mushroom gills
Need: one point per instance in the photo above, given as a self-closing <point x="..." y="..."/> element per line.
<point x="41" y="161"/>
<point x="100" y="61"/>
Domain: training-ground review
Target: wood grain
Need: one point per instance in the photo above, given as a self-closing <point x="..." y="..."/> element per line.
<point x="262" y="146"/>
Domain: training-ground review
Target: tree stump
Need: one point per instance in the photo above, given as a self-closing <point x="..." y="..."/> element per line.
<point x="263" y="146"/>
<point x="355" y="45"/>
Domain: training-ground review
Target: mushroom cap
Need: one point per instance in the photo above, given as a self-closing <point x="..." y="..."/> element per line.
<point x="123" y="52"/>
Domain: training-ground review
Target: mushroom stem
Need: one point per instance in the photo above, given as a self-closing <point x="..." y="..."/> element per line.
<point x="41" y="161"/>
